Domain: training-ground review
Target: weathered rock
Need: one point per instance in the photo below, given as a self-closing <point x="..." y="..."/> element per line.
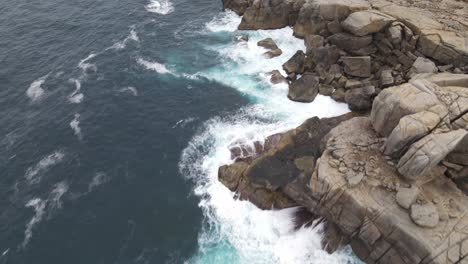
<point x="348" y="42"/>
<point x="268" y="43"/>
<point x="315" y="15"/>
<point x="339" y="95"/>
<point x="382" y="231"/>
<point x="325" y="89"/>
<point x="423" y="65"/>
<point x="295" y="63"/>
<point x="360" y="99"/>
<point x="410" y="129"/>
<point x="305" y="89"/>
<point x="238" y="6"/>
<point x="366" y="22"/>
<point x="386" y="78"/>
<point x="357" y="66"/>
<point x="273" y="53"/>
<point x="312" y="41"/>
<point x="428" y="152"/>
<point x="325" y="56"/>
<point x="405" y="197"/>
<point x="230" y="175"/>
<point x="395" y="102"/>
<point x="425" y="215"/>
<point x="270" y="14"/>
<point x="245" y="151"/>
<point x="277" y="77"/>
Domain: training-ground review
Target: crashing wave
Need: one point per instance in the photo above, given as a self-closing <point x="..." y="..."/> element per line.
<point x="162" y="7"/>
<point x="35" y="90"/>
<point x="154" y="66"/>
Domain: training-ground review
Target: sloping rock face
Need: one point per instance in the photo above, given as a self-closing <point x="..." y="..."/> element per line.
<point x="425" y="120"/>
<point x="398" y="198"/>
<point x="432" y="230"/>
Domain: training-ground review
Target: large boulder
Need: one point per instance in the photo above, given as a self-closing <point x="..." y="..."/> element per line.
<point x="366" y="22"/>
<point x="398" y="101"/>
<point x="315" y="15"/>
<point x="326" y="56"/>
<point x="423" y="155"/>
<point x="267" y="43"/>
<point x="295" y="64"/>
<point x="305" y="89"/>
<point x="410" y="129"/>
<point x="360" y="99"/>
<point x="348" y="42"/>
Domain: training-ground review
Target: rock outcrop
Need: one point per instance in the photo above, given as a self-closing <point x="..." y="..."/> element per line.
<point x="392" y="183"/>
<point x="385" y="187"/>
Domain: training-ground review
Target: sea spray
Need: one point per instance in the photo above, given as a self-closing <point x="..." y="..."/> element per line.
<point x="236" y="231"/>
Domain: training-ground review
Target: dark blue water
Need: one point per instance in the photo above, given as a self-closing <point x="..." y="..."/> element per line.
<point x="139" y="208"/>
<point x="114" y="117"/>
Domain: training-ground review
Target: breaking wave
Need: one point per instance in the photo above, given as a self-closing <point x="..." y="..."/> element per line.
<point x="237" y="231"/>
<point x="162" y="7"/>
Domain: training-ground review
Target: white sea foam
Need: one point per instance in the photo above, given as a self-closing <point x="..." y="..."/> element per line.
<point x="85" y="66"/>
<point x="54" y="200"/>
<point x="35" y="90"/>
<point x="76" y="97"/>
<point x="162" y="7"/>
<point x="237" y="231"/>
<point x="39" y="209"/>
<point x="75" y="125"/>
<point x="122" y="44"/>
<point x="154" y="66"/>
<point x="130" y="89"/>
<point x="98" y="179"/>
<point x="34" y="173"/>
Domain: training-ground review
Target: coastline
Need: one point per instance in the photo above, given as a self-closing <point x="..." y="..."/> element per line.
<point x="375" y="195"/>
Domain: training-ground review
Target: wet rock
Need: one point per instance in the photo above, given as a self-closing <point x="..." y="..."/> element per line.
<point x="305" y="89"/>
<point x="357" y="66"/>
<point x="296" y="63"/>
<point x="425" y="215"/>
<point x="238" y="6"/>
<point x="267" y="43"/>
<point x="277" y="77"/>
<point x="273" y="53"/>
<point x="244" y="38"/>
<point x="366" y="22"/>
<point x="230" y="175"/>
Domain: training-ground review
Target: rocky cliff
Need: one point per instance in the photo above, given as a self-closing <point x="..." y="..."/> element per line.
<point x="392" y="179"/>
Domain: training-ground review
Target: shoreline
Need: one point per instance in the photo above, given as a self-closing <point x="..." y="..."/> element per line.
<point x="378" y="196"/>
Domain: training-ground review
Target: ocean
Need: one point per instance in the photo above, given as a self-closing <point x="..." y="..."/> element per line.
<point x="114" y="119"/>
